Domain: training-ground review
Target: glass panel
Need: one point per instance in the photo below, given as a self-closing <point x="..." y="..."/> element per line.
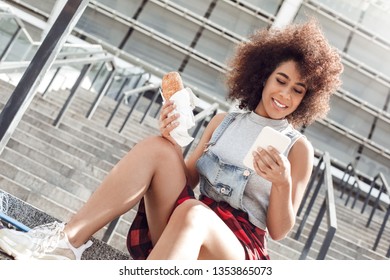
<point x="364" y="87"/>
<point x="349" y="9"/>
<point x="270" y="6"/>
<point x="125" y="7"/>
<point x="45" y="6"/>
<point x="98" y="25"/>
<point x="370" y="54"/>
<point x="8" y="27"/>
<point x="22" y="49"/>
<point x="377" y="20"/>
<point x="205" y="78"/>
<point x="34" y="32"/>
<point x="381" y="134"/>
<point x="336" y="34"/>
<point x="169" y="24"/>
<point x="198" y="7"/>
<point x="154" y="52"/>
<point x="349" y="116"/>
<point x="214" y="46"/>
<point x="372" y="163"/>
<point x="325" y="139"/>
<point x="236" y="20"/>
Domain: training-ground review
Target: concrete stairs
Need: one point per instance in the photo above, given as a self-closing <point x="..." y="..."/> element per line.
<point x="353" y="240"/>
<point x="55" y="170"/>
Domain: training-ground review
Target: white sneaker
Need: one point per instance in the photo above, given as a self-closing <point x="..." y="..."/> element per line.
<point x="46" y="242"/>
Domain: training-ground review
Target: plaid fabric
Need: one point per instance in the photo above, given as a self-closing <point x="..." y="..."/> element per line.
<point x="138" y="238"/>
<point x="252" y="238"/>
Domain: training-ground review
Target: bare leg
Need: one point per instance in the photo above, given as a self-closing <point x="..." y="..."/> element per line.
<point x="151" y="168"/>
<point x="196" y="232"/>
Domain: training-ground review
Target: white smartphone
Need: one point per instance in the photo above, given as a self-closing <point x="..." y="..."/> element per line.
<point x="267" y="137"/>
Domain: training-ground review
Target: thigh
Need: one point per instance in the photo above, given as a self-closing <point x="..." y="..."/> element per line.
<point x="217" y="240"/>
<point x="168" y="181"/>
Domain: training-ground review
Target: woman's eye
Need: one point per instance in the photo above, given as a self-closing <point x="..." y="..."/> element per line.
<point x="299" y="91"/>
<point x="280" y="81"/>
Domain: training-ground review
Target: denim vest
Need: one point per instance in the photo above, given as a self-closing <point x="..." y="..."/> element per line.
<point x="223" y="181"/>
<point x="219" y="180"/>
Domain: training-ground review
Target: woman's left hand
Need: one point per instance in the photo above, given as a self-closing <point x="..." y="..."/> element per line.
<point x="272" y="166"/>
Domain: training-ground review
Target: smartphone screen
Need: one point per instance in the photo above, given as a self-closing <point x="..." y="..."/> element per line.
<point x="267" y="137"/>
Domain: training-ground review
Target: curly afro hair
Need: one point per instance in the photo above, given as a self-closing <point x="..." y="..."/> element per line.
<point x="319" y="65"/>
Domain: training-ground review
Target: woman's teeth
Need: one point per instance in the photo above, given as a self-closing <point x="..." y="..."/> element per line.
<point x="280" y="105"/>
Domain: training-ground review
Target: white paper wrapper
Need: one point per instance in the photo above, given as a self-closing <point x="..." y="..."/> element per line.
<point x="185" y="101"/>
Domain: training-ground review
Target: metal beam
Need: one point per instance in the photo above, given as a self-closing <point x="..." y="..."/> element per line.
<point x="24" y="92"/>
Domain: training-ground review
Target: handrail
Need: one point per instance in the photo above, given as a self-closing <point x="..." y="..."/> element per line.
<point x="328" y="207"/>
<point x="207" y="96"/>
<point x="8" y="67"/>
<point x="349" y="173"/>
<point x="384" y="188"/>
<point x="127" y="94"/>
<point x="20" y="23"/>
<point x="205" y="113"/>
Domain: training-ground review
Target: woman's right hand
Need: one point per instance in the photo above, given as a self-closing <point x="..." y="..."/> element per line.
<point x="168" y="120"/>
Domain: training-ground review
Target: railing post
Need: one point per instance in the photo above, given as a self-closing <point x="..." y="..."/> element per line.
<point x="118" y="103"/>
<point x="375" y="206"/>
<point x="197" y="129"/>
<point x="378" y="237"/>
<point x="100" y="95"/>
<point x="10" y="44"/>
<point x="131" y="111"/>
<point x="310" y="206"/>
<point x="310" y="185"/>
<point x="97" y="75"/>
<point x="313" y="231"/>
<point x="71" y="96"/>
<point x="51" y="81"/>
<point x="124" y="84"/>
<point x="372" y="185"/>
<point x="152" y="101"/>
<point x="25" y="90"/>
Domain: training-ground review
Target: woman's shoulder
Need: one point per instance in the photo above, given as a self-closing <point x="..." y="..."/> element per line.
<point x="220" y="117"/>
<point x="303" y="147"/>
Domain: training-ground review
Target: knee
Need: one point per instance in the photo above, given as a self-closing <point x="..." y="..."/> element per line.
<point x="191" y="214"/>
<point x="158" y="147"/>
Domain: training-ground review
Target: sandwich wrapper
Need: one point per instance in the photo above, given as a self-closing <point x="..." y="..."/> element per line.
<point x="185" y="101"/>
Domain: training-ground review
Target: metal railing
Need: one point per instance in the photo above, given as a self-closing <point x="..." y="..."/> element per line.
<point x="376" y="193"/>
<point x="323" y="176"/>
<point x="200" y="120"/>
<point x="350" y="183"/>
<point x="384" y="189"/>
<point x="46" y="54"/>
<point x="138" y="92"/>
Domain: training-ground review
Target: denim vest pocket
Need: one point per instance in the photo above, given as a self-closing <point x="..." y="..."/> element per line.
<point x="222" y="181"/>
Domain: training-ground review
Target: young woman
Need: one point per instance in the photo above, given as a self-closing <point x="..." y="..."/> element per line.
<point x="282" y="78"/>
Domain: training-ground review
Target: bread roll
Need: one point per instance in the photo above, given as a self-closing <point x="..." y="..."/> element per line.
<point x="170" y="84"/>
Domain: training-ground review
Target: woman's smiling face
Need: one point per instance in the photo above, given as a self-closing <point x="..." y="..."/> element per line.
<point x="283" y="92"/>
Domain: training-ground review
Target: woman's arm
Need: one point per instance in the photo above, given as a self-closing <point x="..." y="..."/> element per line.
<point x="289" y="179"/>
<point x="169" y="122"/>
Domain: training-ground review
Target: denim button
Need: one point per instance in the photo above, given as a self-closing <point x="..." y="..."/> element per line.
<point x="247" y="173"/>
<point x="223" y="191"/>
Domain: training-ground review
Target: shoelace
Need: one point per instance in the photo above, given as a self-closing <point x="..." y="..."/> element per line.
<point x="46" y="237"/>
